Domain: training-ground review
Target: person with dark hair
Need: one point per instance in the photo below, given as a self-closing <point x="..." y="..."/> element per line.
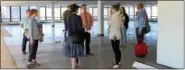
<point x="87" y="23"/>
<point x="24" y="25"/>
<point x="125" y="20"/>
<point x="115" y="24"/>
<point x="74" y="40"/>
<point x="33" y="34"/>
<point x="66" y="15"/>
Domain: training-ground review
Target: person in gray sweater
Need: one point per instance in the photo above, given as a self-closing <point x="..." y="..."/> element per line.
<point x="34" y="33"/>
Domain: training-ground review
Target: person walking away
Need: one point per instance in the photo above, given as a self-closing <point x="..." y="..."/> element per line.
<point x="24" y="25"/>
<point x="142" y="27"/>
<point x="66" y="16"/>
<point x="115" y="24"/>
<point x="34" y="35"/>
<point x="87" y="23"/>
<point x="125" y="20"/>
<point x="75" y="38"/>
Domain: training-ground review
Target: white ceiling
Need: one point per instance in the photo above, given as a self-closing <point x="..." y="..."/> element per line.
<point x="64" y="3"/>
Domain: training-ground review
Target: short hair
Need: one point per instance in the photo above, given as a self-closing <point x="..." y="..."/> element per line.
<point x="83" y="5"/>
<point x="74" y="7"/>
<point x="33" y="11"/>
<point x="28" y="10"/>
<point x="116" y="7"/>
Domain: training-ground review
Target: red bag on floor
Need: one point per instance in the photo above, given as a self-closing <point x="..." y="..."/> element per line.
<point x="141" y="50"/>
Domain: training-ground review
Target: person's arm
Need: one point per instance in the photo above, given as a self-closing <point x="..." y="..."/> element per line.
<point x="22" y="24"/>
<point x="91" y="21"/>
<point x="30" y="31"/>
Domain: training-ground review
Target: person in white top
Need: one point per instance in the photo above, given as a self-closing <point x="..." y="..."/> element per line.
<point x="115" y="24"/>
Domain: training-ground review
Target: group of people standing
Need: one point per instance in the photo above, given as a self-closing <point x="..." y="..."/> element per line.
<point x="77" y="32"/>
<point x="118" y="25"/>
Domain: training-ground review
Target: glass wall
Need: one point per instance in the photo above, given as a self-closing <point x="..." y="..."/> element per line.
<point x="5" y="14"/>
<point x="42" y="13"/>
<point x="15" y="13"/>
<point x="57" y="13"/>
<point x="48" y="13"/>
<point x="23" y="11"/>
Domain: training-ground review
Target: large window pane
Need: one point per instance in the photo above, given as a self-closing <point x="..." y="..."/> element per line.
<point x="15" y="13"/>
<point x="95" y="12"/>
<point x="131" y="12"/>
<point x="154" y="12"/>
<point x="33" y="7"/>
<point x="90" y="11"/>
<point x="57" y="13"/>
<point x="48" y="14"/>
<point x="62" y="10"/>
<point x="106" y="12"/>
<point x="23" y="11"/>
<point x="126" y="9"/>
<point x="42" y="13"/>
<point x="5" y="13"/>
<point x="148" y="10"/>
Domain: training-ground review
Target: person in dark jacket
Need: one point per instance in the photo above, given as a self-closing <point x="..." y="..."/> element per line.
<point x="74" y="26"/>
<point x="125" y="20"/>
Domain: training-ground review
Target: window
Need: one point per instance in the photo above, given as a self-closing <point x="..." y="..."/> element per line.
<point x="154" y="12"/>
<point x="48" y="14"/>
<point x="90" y="11"/>
<point x="148" y="11"/>
<point x="126" y="9"/>
<point x="33" y="7"/>
<point x="62" y="10"/>
<point x="79" y="10"/>
<point x="57" y="13"/>
<point x="42" y="13"/>
<point x="23" y="11"/>
<point x="106" y="12"/>
<point x="131" y="12"/>
<point x="5" y="13"/>
<point x="15" y="13"/>
<point x="95" y="12"/>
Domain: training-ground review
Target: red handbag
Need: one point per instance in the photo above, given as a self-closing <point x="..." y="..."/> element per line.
<point x="141" y="50"/>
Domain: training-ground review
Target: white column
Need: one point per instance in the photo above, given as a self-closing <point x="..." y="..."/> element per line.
<point x="171" y="29"/>
<point x="101" y="17"/>
<point x="52" y="15"/>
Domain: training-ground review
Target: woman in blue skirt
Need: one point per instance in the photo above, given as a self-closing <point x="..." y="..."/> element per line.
<point x="74" y="27"/>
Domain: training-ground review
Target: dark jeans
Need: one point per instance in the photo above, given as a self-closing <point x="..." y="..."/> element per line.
<point x="33" y="51"/>
<point x="116" y="50"/>
<point x="140" y="37"/>
<point x="87" y="42"/>
<point x="24" y="41"/>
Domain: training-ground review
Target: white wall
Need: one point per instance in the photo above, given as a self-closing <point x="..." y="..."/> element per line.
<point x="170" y="47"/>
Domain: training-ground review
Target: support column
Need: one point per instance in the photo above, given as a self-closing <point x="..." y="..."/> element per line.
<point x="171" y="29"/>
<point x="52" y="15"/>
<point x="101" y="18"/>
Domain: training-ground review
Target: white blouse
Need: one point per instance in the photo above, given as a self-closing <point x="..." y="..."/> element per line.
<point x="115" y="24"/>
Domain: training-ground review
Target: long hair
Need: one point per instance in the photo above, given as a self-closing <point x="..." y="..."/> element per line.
<point x="122" y="11"/>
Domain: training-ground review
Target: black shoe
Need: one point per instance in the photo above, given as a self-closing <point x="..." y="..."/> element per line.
<point x="90" y="54"/>
<point x="30" y="66"/>
<point x="24" y="53"/>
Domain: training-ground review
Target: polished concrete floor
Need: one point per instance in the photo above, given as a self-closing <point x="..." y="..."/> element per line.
<point x="50" y="51"/>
